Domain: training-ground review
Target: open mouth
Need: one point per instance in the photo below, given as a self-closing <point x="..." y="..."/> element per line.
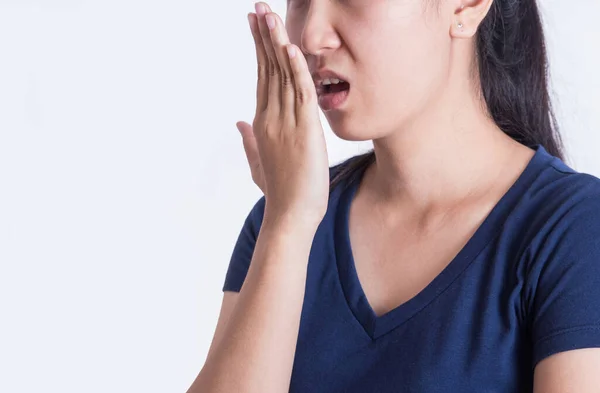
<point x="332" y="95"/>
<point x="335" y="88"/>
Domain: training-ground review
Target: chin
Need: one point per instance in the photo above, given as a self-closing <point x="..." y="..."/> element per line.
<point x="356" y="131"/>
<point x="351" y="133"/>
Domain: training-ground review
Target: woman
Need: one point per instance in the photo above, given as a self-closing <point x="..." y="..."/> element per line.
<point x="460" y="255"/>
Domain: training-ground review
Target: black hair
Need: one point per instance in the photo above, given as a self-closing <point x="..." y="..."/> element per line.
<point x="512" y="63"/>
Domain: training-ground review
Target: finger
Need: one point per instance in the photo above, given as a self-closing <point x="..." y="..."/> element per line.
<point x="273" y="64"/>
<point x="262" y="84"/>
<point x="280" y="40"/>
<point x="245" y="129"/>
<point x="250" y="145"/>
<point x="305" y="91"/>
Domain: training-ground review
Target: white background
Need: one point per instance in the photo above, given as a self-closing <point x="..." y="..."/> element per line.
<point x="124" y="184"/>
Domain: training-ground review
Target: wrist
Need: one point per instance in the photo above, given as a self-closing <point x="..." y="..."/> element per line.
<point x="296" y="224"/>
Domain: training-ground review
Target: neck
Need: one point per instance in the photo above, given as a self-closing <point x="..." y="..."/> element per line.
<point x="440" y="157"/>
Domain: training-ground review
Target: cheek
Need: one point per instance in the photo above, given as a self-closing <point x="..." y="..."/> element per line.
<point x="294" y="29"/>
<point x="406" y="64"/>
<point x="407" y="46"/>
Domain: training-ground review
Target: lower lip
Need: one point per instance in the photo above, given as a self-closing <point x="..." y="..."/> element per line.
<point x="333" y="101"/>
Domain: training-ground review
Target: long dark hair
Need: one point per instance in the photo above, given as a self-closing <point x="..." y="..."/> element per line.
<point x="513" y="68"/>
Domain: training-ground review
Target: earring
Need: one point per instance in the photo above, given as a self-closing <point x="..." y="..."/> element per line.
<point x="460" y="25"/>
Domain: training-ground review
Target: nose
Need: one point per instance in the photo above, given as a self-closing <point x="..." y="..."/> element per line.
<point x="319" y="35"/>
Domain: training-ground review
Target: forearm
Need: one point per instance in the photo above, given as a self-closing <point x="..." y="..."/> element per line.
<point x="258" y="351"/>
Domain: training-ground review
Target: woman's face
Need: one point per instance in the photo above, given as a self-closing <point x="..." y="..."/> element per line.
<point x="395" y="54"/>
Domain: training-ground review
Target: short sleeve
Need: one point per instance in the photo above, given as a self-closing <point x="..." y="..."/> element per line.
<point x="564" y="281"/>
<point x="243" y="250"/>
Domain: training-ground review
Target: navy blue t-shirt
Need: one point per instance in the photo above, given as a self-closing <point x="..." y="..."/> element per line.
<point x="525" y="286"/>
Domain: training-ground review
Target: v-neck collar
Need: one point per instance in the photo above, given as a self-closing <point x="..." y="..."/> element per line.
<point x="376" y="326"/>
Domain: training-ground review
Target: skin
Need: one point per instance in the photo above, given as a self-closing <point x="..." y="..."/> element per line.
<point x="255" y="340"/>
<point x="425" y="131"/>
<point x="423" y="134"/>
<point x="430" y="126"/>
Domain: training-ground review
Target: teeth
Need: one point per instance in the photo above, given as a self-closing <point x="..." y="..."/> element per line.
<point x="332" y="81"/>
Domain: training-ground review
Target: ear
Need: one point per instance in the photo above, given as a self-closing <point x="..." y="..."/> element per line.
<point x="468" y="16"/>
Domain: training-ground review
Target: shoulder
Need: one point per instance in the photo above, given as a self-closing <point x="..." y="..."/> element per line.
<point x="566" y="195"/>
<point x="577" y="214"/>
<point x="562" y="263"/>
<point x="559" y="210"/>
<point x="562" y="217"/>
<point x="557" y="196"/>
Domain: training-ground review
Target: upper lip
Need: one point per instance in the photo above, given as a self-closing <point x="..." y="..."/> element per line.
<point x="325" y="73"/>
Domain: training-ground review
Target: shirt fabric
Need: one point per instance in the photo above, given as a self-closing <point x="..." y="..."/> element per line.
<point x="525" y="286"/>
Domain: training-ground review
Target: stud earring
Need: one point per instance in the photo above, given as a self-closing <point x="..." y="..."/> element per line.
<point x="460" y="25"/>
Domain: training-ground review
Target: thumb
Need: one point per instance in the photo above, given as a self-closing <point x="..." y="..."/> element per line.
<point x="249" y="141"/>
<point x="245" y="129"/>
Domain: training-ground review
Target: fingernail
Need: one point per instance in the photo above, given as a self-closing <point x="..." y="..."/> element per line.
<point x="270" y="21"/>
<point x="250" y="21"/>
<point x="260" y="9"/>
<point x="238" y="126"/>
<point x="291" y="51"/>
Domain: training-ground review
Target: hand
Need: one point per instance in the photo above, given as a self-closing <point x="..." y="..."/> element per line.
<point x="285" y="145"/>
